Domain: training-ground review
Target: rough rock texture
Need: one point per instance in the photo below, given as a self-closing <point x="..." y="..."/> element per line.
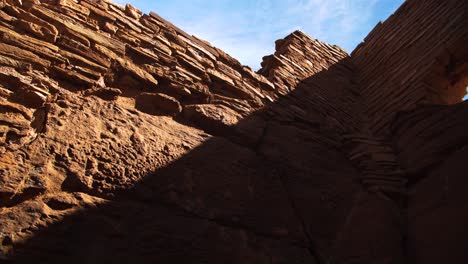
<point x="418" y="56"/>
<point x="125" y="139"/>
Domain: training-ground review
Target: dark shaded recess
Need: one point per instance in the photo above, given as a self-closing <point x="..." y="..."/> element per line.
<point x="303" y="189"/>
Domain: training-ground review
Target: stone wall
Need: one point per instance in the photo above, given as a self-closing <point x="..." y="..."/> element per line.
<point x="417" y="56"/>
<point x="125" y="139"/>
<point x="150" y="142"/>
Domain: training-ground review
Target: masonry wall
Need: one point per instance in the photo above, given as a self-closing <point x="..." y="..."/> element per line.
<point x="124" y="139"/>
<point x="422" y="38"/>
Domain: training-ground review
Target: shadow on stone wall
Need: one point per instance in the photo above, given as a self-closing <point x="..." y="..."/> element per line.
<point x="274" y="188"/>
<point x="278" y="188"/>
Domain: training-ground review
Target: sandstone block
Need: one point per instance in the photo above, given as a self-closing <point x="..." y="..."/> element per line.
<point x="158" y="103"/>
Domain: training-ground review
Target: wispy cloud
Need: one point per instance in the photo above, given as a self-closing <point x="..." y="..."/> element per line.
<point x="335" y="21"/>
<point x="122" y="2"/>
<point x="247" y="29"/>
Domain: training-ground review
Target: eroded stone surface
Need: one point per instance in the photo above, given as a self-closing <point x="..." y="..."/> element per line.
<point x="125" y="139"/>
<point x="102" y="103"/>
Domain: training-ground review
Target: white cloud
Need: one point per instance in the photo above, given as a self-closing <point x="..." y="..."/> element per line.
<point x="247" y="30"/>
<point x="249" y="36"/>
<point x="335" y="21"/>
<point x="120" y="2"/>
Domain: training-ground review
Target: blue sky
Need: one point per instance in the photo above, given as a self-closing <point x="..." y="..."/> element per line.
<point x="247" y="29"/>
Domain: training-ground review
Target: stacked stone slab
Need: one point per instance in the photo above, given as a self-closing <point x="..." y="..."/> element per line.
<point x="102" y="103"/>
<point x="96" y="46"/>
<point x="406" y="61"/>
<point x="297" y="57"/>
<point x="125" y="139"/>
<point x="412" y="74"/>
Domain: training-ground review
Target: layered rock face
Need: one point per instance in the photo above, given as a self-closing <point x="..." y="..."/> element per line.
<point x="125" y="139"/>
<point x="115" y="115"/>
<point x="412" y="72"/>
<point x="417" y="56"/>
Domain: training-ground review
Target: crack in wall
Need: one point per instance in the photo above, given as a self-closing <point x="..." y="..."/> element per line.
<point x="311" y="245"/>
